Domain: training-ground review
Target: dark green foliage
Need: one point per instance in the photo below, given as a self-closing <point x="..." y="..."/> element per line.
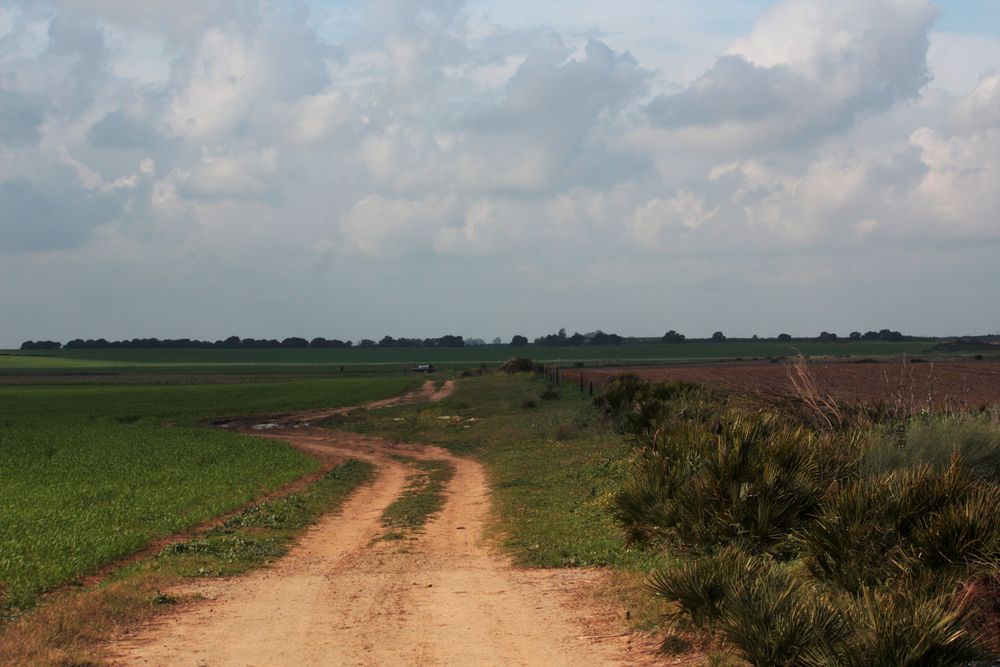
<point x="815" y="546"/>
<point x="637" y="407"/>
<point x="771" y="616"/>
<point x="914" y="522"/>
<point x="702" y="586"/>
<point x="749" y="481"/>
<point x="518" y="365"/>
<point x="903" y="629"/>
<point x="776" y="619"/>
<point x="549" y="394"/>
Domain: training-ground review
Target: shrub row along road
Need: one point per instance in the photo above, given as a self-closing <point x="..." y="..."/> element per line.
<point x="343" y="596"/>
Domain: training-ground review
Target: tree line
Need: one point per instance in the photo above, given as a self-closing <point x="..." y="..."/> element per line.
<point x="235" y="342"/>
<point x="558" y="339"/>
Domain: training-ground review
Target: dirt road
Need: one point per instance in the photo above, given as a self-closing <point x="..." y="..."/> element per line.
<point x="343" y="596"/>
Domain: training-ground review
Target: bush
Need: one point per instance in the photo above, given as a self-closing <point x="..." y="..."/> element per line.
<point x="912" y="523"/>
<point x="518" y="365"/>
<point x="701" y="587"/>
<point x="549" y="394"/>
<point x="774" y="618"/>
<point x="638" y="407"/>
<point x="908" y="628"/>
<point x="749" y="481"/>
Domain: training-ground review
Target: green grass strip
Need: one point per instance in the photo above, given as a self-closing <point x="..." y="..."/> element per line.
<point x="264" y="532"/>
<point x="422" y="498"/>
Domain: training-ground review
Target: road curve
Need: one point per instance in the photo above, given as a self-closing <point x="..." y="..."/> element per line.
<point x="344" y="597"/>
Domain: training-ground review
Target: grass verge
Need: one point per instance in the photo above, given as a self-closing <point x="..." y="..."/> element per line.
<point x="65" y="629"/>
<point x="422" y="498"/>
<point x="553" y="465"/>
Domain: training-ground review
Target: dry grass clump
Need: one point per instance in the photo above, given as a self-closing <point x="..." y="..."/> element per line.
<point x="66" y="633"/>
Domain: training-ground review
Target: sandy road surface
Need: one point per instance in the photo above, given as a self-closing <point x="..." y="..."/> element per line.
<point x="344" y="597"/>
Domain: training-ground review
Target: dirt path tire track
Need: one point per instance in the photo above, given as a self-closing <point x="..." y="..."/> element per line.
<point x="344" y="597"/>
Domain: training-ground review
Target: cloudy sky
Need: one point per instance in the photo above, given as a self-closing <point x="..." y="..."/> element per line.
<point x="352" y="168"/>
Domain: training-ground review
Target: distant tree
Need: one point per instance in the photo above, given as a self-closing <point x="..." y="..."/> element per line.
<point x="718" y="337"/>
<point x="784" y="338"/>
<point x="40" y="345"/>
<point x="387" y="341"/>
<point x="553" y="340"/>
<point x="451" y="341"/>
<point x="755" y="337"/>
<point x="518" y="341"/>
<point x="232" y="341"/>
<point x="409" y="342"/>
<point x="295" y="341"/>
<point x="324" y="343"/>
<point x="497" y="341"/>
<point x="673" y="337"/>
<point x="367" y="342"/>
<point x="576" y="339"/>
<point x="890" y="336"/>
<point x="475" y="341"/>
<point x="601" y="338"/>
<point x="827" y="337"/>
<point x="855" y="335"/>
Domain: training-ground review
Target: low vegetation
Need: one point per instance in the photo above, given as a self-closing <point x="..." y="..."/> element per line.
<point x="870" y="539"/>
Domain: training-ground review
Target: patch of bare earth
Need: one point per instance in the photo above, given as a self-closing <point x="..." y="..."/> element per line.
<point x="343" y="596"/>
<point x="958" y="384"/>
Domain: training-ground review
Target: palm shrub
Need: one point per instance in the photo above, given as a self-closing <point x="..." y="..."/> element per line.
<point x="748" y="481"/>
<point x="905" y="628"/>
<point x="638" y="407"/>
<point x="776" y="619"/>
<point x="909" y="523"/>
<point x="620" y="397"/>
<point x="770" y="615"/>
<point x="701" y="586"/>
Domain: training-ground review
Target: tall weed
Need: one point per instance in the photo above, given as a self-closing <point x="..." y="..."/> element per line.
<point x="934" y="440"/>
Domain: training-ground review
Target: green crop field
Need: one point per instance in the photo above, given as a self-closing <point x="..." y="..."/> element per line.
<point x="325" y="360"/>
<point x="90" y="474"/>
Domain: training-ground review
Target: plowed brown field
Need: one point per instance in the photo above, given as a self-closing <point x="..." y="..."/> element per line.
<point x="959" y="384"/>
